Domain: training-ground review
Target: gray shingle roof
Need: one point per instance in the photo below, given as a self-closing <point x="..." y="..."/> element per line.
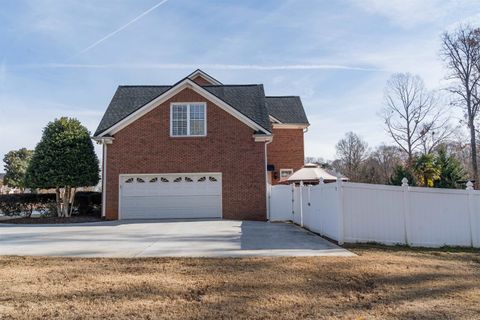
<point x="126" y="100"/>
<point x="287" y="109"/>
<point x="249" y="100"/>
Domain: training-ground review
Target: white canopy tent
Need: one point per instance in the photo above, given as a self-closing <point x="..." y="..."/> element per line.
<point x="312" y="174"/>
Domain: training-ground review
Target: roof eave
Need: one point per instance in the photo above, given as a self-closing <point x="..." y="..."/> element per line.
<point x="263" y="137"/>
<point x="205" y="75"/>
<point x="290" y="125"/>
<point x="103" y="140"/>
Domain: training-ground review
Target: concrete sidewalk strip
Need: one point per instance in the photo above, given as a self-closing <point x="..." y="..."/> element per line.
<point x="180" y="238"/>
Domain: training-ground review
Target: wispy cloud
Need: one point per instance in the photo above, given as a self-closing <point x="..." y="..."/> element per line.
<point x="204" y="66"/>
<point x="409" y="13"/>
<point x="111" y="34"/>
<point x="336" y="55"/>
<point x="472" y="20"/>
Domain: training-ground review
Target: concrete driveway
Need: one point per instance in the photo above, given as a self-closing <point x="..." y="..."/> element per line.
<point x="194" y="238"/>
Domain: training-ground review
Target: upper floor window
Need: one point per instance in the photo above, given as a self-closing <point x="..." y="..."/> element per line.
<point x="188" y="119"/>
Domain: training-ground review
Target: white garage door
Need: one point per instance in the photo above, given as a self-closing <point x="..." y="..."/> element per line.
<point x="171" y="196"/>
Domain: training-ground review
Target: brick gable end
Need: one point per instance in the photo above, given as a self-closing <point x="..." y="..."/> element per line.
<point x="145" y="146"/>
<point x="201" y="81"/>
<point x="286" y="151"/>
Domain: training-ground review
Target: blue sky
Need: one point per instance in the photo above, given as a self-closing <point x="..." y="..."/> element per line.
<point x="66" y="57"/>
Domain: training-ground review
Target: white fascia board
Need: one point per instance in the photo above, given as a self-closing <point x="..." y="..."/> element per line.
<point x="205" y="76"/>
<point x="103" y="140"/>
<point x="262" y="137"/>
<point x="186" y="83"/>
<point x="289" y="126"/>
<point x="273" y="119"/>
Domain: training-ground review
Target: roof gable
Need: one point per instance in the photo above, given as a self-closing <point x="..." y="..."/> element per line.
<point x="247" y="99"/>
<point x="125" y="101"/>
<point x="205" y="76"/>
<point x="286" y="109"/>
<point x="242" y="104"/>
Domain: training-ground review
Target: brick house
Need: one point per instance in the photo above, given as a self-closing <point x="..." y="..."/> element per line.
<point x="197" y="149"/>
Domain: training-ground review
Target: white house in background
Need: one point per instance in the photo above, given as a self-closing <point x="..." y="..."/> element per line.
<point x="3" y="188"/>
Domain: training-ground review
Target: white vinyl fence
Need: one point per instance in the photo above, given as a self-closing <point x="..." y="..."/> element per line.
<point x="356" y="212"/>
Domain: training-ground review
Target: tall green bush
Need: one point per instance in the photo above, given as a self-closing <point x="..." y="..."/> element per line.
<point x="427" y="169"/>
<point x="16" y="164"/>
<point x="451" y="170"/>
<point x="400" y="172"/>
<point x="64" y="160"/>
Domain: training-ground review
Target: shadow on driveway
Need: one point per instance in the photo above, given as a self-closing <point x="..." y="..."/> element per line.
<point x="172" y="238"/>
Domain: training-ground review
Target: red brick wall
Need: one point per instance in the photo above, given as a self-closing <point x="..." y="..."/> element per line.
<point x="286" y="151"/>
<point x="145" y="146"/>
<point x="201" y="81"/>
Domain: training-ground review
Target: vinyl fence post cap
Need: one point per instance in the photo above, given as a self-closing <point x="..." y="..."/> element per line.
<point x="404" y="182"/>
<point x="469" y="185"/>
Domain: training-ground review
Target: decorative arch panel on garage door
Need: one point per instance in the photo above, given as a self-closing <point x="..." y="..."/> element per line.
<point x="170" y="196"/>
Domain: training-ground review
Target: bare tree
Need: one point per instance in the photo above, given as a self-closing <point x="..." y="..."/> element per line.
<point x="433" y="137"/>
<point x="461" y="53"/>
<point x="352" y="150"/>
<point x="411" y="115"/>
<point x="317" y="160"/>
<point x="379" y="166"/>
<point x="387" y="158"/>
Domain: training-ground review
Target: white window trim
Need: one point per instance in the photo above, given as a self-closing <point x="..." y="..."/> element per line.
<point x="283" y="170"/>
<point x="188" y="119"/>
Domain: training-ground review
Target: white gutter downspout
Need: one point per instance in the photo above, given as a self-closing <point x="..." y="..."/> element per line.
<point x="104" y="142"/>
<point x="266" y="181"/>
<point x="104" y="179"/>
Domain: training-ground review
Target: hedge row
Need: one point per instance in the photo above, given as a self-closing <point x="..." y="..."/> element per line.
<point x="85" y="203"/>
<point x="88" y="203"/>
<point x="25" y="203"/>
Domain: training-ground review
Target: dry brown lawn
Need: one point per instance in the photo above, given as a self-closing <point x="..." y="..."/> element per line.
<point x="378" y="284"/>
